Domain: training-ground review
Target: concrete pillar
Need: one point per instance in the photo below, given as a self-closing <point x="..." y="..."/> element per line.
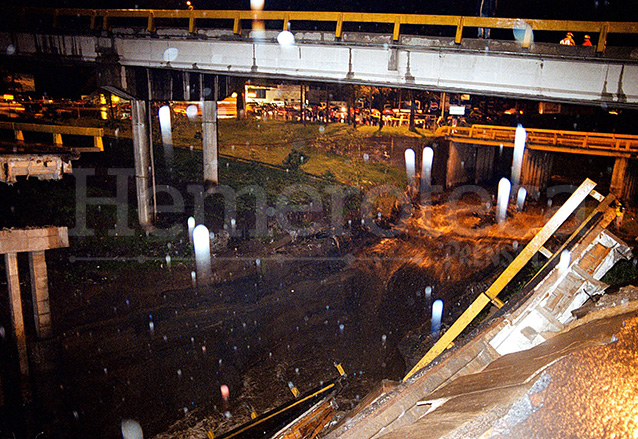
<point x="141" y="152"/>
<point x="15" y="304"/>
<point x="454" y="167"/>
<point x="186" y="87"/>
<point x="40" y="294"/>
<point x="536" y="170"/>
<point x="461" y="164"/>
<point x="484" y="163"/>
<point x="209" y="142"/>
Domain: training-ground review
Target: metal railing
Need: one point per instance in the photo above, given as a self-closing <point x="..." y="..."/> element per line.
<point x="580" y="142"/>
<point x="103" y="18"/>
<point x="57" y="131"/>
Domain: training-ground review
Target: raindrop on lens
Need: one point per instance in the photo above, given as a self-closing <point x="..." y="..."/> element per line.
<point x="191" y="111"/>
<point x="285" y="38"/>
<point x="170" y="54"/>
<point x="131" y="429"/>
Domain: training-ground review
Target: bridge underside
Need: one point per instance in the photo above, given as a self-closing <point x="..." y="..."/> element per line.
<point x="543" y="72"/>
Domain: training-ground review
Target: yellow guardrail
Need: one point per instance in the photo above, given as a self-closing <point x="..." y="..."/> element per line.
<point x="56" y="130"/>
<point x="582" y="142"/>
<point x="105" y="16"/>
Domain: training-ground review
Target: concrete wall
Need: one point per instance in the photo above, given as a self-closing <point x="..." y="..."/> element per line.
<point x="536" y="171"/>
<point x="469" y="163"/>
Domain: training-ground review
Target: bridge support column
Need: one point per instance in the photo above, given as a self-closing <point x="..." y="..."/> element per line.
<point x="624" y="183"/>
<point x="536" y="171"/>
<point x="15" y="304"/>
<point x="141" y="153"/>
<point x="459" y="157"/>
<point x="40" y="294"/>
<point x="209" y="142"/>
<point x="35" y="242"/>
<point x="469" y="163"/>
<point x="484" y="163"/>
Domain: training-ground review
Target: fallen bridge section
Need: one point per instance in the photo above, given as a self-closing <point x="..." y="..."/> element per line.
<point x="544" y="308"/>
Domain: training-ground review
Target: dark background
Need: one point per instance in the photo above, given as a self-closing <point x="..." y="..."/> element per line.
<point x="596" y="10"/>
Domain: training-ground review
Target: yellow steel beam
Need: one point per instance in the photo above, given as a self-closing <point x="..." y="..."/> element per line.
<point x="602" y="38"/>
<point x="339" y="29"/>
<point x="508" y="274"/>
<point x="62" y="129"/>
<point x="150" y="26"/>
<point x="286" y="21"/>
<point x="237" y="24"/>
<point x="56" y="131"/>
<point x="397" y="29"/>
<point x="459" y="31"/>
<point x="191" y="23"/>
<point x="459" y="22"/>
<point x="575" y="142"/>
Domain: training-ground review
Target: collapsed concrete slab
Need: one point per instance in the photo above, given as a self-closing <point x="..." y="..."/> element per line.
<point x="570" y="277"/>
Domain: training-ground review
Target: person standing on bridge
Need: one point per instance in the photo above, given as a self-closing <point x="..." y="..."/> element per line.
<point x="568" y="40"/>
<point x="486" y="8"/>
<point x="587" y="41"/>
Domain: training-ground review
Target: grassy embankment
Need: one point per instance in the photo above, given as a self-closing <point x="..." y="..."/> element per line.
<point x="252" y="152"/>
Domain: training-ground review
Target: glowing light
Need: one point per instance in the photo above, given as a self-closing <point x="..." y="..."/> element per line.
<point x="504" y="188"/>
<point x="563" y="263"/>
<point x="191" y="226"/>
<point x="520" y="198"/>
<point x="131" y="430"/>
<point x="410" y="165"/>
<point x="201" y="242"/>
<point x="519" y="149"/>
<point x="426" y="168"/>
<point x="191" y="111"/>
<point x="170" y="54"/>
<point x="167" y="133"/>
<point x="285" y="38"/>
<point x="257" y="5"/>
<point x="437" y="314"/>
<point x="523" y="33"/>
<point x="225" y="391"/>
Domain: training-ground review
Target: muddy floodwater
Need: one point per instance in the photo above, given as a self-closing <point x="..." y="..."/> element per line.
<point x="144" y="344"/>
<point x="135" y="339"/>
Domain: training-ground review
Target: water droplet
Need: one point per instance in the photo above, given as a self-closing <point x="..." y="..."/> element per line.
<point x="225" y="391"/>
<point x="170" y="54"/>
<point x="131" y="429"/>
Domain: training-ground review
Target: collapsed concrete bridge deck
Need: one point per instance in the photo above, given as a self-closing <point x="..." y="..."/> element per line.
<point x="481" y="377"/>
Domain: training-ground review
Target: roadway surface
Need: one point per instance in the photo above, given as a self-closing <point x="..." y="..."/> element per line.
<point x="578" y="384"/>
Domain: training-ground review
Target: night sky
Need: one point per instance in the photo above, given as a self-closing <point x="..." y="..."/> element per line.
<point x="616" y="10"/>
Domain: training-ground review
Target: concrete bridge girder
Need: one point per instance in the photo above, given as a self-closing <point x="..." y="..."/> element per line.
<point x="423" y="63"/>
